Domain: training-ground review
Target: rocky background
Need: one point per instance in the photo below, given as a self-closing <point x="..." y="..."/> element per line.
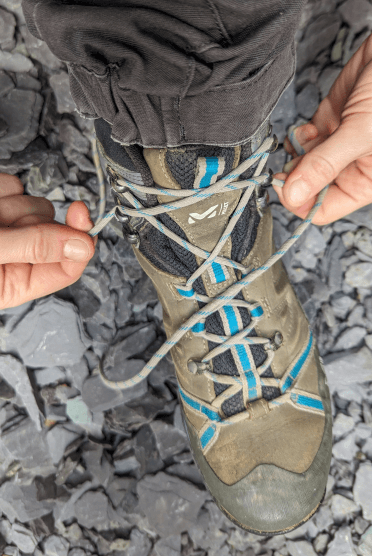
<point x="85" y="470"/>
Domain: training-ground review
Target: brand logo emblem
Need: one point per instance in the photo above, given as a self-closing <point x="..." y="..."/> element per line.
<point x="210" y="213"/>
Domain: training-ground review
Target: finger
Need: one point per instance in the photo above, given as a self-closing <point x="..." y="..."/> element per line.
<point x="10" y="185"/>
<point x="78" y="217"/>
<point x="341" y="198"/>
<point x="14" y="208"/>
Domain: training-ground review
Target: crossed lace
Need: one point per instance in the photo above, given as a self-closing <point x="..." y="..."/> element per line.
<point x="227" y="299"/>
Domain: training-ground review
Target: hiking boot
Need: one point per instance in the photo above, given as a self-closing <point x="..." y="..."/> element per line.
<point x="252" y="386"/>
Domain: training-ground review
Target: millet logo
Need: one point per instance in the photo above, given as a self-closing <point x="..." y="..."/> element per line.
<point x="210" y="213"/>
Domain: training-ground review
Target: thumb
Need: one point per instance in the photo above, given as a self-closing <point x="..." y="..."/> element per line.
<point x="44" y="243"/>
<point x="321" y="166"/>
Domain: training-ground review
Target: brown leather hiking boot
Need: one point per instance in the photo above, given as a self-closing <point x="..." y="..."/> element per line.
<point x="251" y="383"/>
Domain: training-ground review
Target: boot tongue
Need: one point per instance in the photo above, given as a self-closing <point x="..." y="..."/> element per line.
<point x="197" y="168"/>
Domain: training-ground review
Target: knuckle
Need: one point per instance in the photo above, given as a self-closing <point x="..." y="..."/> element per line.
<point x="39" y="248"/>
<point x="322" y="167"/>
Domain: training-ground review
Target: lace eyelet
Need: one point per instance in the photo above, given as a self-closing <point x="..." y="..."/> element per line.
<point x="198" y="367"/>
<point x="275" y="342"/>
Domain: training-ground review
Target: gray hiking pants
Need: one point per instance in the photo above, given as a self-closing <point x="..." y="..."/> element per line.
<point x="173" y="72"/>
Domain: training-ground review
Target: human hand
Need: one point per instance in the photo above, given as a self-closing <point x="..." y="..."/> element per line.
<point x="32" y="262"/>
<point x="338" y="147"/>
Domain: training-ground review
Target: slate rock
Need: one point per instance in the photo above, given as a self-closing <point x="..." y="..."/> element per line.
<point x="170" y="504"/>
<point x="342" y="508"/>
<point x="362" y="489"/>
<point x="144" y="292"/>
<point x="342" y="425"/>
<point x="61" y="87"/>
<point x="55" y="546"/>
<point x="99" y="397"/>
<point x="20" y="110"/>
<point x="170" y="546"/>
<point x="342" y="306"/>
<point x="307" y="101"/>
<point x="187" y="472"/>
<point x="321" y="542"/>
<point x="91" y="509"/>
<point x="357" y="13"/>
<point x="359" y="275"/>
<point x="20" y="502"/>
<point x="349" y="369"/>
<point x="140" y="544"/>
<point x="26" y="444"/>
<point x="7" y="25"/>
<point x="39" y="50"/>
<point x="14" y="61"/>
<point x="51" y="173"/>
<point x="50" y="375"/>
<point x="50" y="334"/>
<point x="342" y="544"/>
<point x="146" y="451"/>
<point x="19" y="535"/>
<point x="169" y="440"/>
<point x="300" y="548"/>
<point x="326" y="80"/>
<point x="350" y="338"/>
<point x="58" y="438"/>
<point x="365" y="545"/>
<point x="319" y="35"/>
<point x="284" y="113"/>
<point x="12" y="370"/>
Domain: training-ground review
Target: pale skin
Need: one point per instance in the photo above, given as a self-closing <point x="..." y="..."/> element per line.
<point x="338" y="146"/>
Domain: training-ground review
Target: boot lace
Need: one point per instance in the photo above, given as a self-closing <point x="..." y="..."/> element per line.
<point x="237" y="338"/>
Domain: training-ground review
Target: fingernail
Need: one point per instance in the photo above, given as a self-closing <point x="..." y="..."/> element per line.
<point x="76" y="250"/>
<point x="288" y="166"/>
<point x="298" y="193"/>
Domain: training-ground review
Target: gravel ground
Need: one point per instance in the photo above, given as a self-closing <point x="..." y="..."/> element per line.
<point x="85" y="470"/>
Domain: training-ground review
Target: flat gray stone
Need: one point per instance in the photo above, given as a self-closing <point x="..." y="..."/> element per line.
<point x="314" y="240"/>
<point x="326" y="80"/>
<point x="19" y="535"/>
<point x="58" y="438"/>
<point x="342" y="425"/>
<point x="349" y="369"/>
<point x="351" y="337"/>
<point x="342" y="306"/>
<point x="91" y="509"/>
<point x="98" y="397"/>
<point x="171" y="546"/>
<point x="342" y="544"/>
<point x="365" y="545"/>
<point x="307" y="101"/>
<point x="359" y="275"/>
<point x="319" y="35"/>
<point x="140" y="544"/>
<point x="169" y="440"/>
<point x="20" y="110"/>
<point x="342" y="507"/>
<point x="20" y="503"/>
<point x="284" y="113"/>
<point x="10" y="61"/>
<point x="7" y="25"/>
<point x="361" y="217"/>
<point x="55" y="546"/>
<point x="27" y="445"/>
<point x="50" y="334"/>
<point x="12" y="370"/>
<point x="362" y="490"/>
<point x="345" y="449"/>
<point x="321" y="542"/>
<point x="61" y="87"/>
<point x="357" y="13"/>
<point x="51" y="375"/>
<point x="144" y="292"/>
<point x="170" y="504"/>
<point x="39" y="50"/>
<point x="300" y="548"/>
